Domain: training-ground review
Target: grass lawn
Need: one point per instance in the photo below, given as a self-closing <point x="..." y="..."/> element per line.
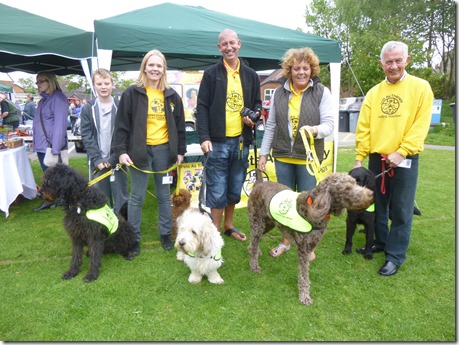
<point x="150" y="299"/>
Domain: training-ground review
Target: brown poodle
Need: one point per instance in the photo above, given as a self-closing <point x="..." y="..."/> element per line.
<point x="180" y="202"/>
<point x="335" y="193"/>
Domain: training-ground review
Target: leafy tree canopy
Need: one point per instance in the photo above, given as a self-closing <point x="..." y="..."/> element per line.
<point x="363" y="26"/>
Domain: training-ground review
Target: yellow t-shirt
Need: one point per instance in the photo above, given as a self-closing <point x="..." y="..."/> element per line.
<point x="294" y="105"/>
<point x="234" y="103"/>
<point x="157" y="132"/>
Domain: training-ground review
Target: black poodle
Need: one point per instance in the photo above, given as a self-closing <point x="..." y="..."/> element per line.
<point x="364" y="178"/>
<point x="88" y="221"/>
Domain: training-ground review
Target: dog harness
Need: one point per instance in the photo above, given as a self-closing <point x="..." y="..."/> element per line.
<point x="283" y="209"/>
<point x="371" y="208"/>
<point x="216" y="257"/>
<point x="104" y="216"/>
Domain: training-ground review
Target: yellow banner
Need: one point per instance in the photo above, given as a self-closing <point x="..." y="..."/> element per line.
<point x="326" y="168"/>
<point x="190" y="175"/>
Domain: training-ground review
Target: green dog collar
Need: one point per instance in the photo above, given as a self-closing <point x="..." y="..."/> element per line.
<point x="216" y="257"/>
<point x="104" y="216"/>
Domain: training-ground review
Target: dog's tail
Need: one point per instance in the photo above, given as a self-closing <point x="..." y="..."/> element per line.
<point x="258" y="175"/>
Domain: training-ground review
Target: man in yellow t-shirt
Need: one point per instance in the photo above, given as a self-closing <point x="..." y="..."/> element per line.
<point x="225" y="135"/>
<point x="393" y="123"/>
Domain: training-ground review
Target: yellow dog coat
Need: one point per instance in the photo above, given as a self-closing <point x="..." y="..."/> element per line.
<point x="104" y="216"/>
<point x="283" y="209"/>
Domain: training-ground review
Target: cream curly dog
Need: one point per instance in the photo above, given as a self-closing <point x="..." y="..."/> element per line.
<point x="335" y="193"/>
<point x="199" y="245"/>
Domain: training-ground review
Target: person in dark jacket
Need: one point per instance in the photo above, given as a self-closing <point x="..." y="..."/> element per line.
<point x="149" y="136"/>
<point x="29" y="108"/>
<point x="97" y="123"/>
<point x="225" y="136"/>
<point x="9" y="112"/>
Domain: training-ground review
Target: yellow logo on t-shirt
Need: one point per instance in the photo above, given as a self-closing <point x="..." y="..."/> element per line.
<point x="157" y="131"/>
<point x="234" y="104"/>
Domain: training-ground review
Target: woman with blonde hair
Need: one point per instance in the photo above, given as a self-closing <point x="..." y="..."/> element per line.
<point x="149" y="135"/>
<point x="50" y="122"/>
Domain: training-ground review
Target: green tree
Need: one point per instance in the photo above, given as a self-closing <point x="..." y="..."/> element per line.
<point x="74" y="82"/>
<point x="363" y="26"/>
<point x="28" y="84"/>
<point x="121" y="83"/>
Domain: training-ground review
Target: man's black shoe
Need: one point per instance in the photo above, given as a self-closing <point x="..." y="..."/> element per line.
<point x="47" y="204"/>
<point x="57" y="203"/>
<point x="374" y="249"/>
<point x="136" y="250"/>
<point x="388" y="269"/>
<point x="43" y="206"/>
<point x="166" y="242"/>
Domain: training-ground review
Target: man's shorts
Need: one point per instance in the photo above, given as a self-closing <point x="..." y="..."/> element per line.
<point x="226" y="169"/>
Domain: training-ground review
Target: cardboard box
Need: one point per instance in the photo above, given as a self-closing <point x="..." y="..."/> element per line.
<point x="13" y="143"/>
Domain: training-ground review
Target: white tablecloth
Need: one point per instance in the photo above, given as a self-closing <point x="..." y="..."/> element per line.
<point x="16" y="177"/>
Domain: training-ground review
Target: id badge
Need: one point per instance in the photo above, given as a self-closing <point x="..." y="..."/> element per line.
<point x="168" y="179"/>
<point x="406" y="163"/>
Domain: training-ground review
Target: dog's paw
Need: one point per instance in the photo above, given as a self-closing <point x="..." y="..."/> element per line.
<point x="69" y="275"/>
<point x="306" y="300"/>
<point x="194" y="279"/>
<point x="347" y="251"/>
<point x="90" y="277"/>
<point x="368" y="256"/>
<point x="129" y="256"/>
<point x="180" y="256"/>
<point x="255" y="266"/>
<point x="255" y="269"/>
<point x="215" y="279"/>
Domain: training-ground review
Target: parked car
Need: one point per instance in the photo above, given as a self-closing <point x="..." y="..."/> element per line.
<point x="348" y="103"/>
<point x="355" y="107"/>
<point x="76" y="131"/>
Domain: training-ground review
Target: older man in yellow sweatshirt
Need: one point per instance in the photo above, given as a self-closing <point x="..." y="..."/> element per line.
<point x="393" y="123"/>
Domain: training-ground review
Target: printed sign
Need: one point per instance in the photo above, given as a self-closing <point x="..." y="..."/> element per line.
<point x="190" y="175"/>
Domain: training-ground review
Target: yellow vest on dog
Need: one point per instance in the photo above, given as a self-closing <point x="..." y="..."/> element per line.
<point x="371" y="208"/>
<point x="104" y="216"/>
<point x="283" y="209"/>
